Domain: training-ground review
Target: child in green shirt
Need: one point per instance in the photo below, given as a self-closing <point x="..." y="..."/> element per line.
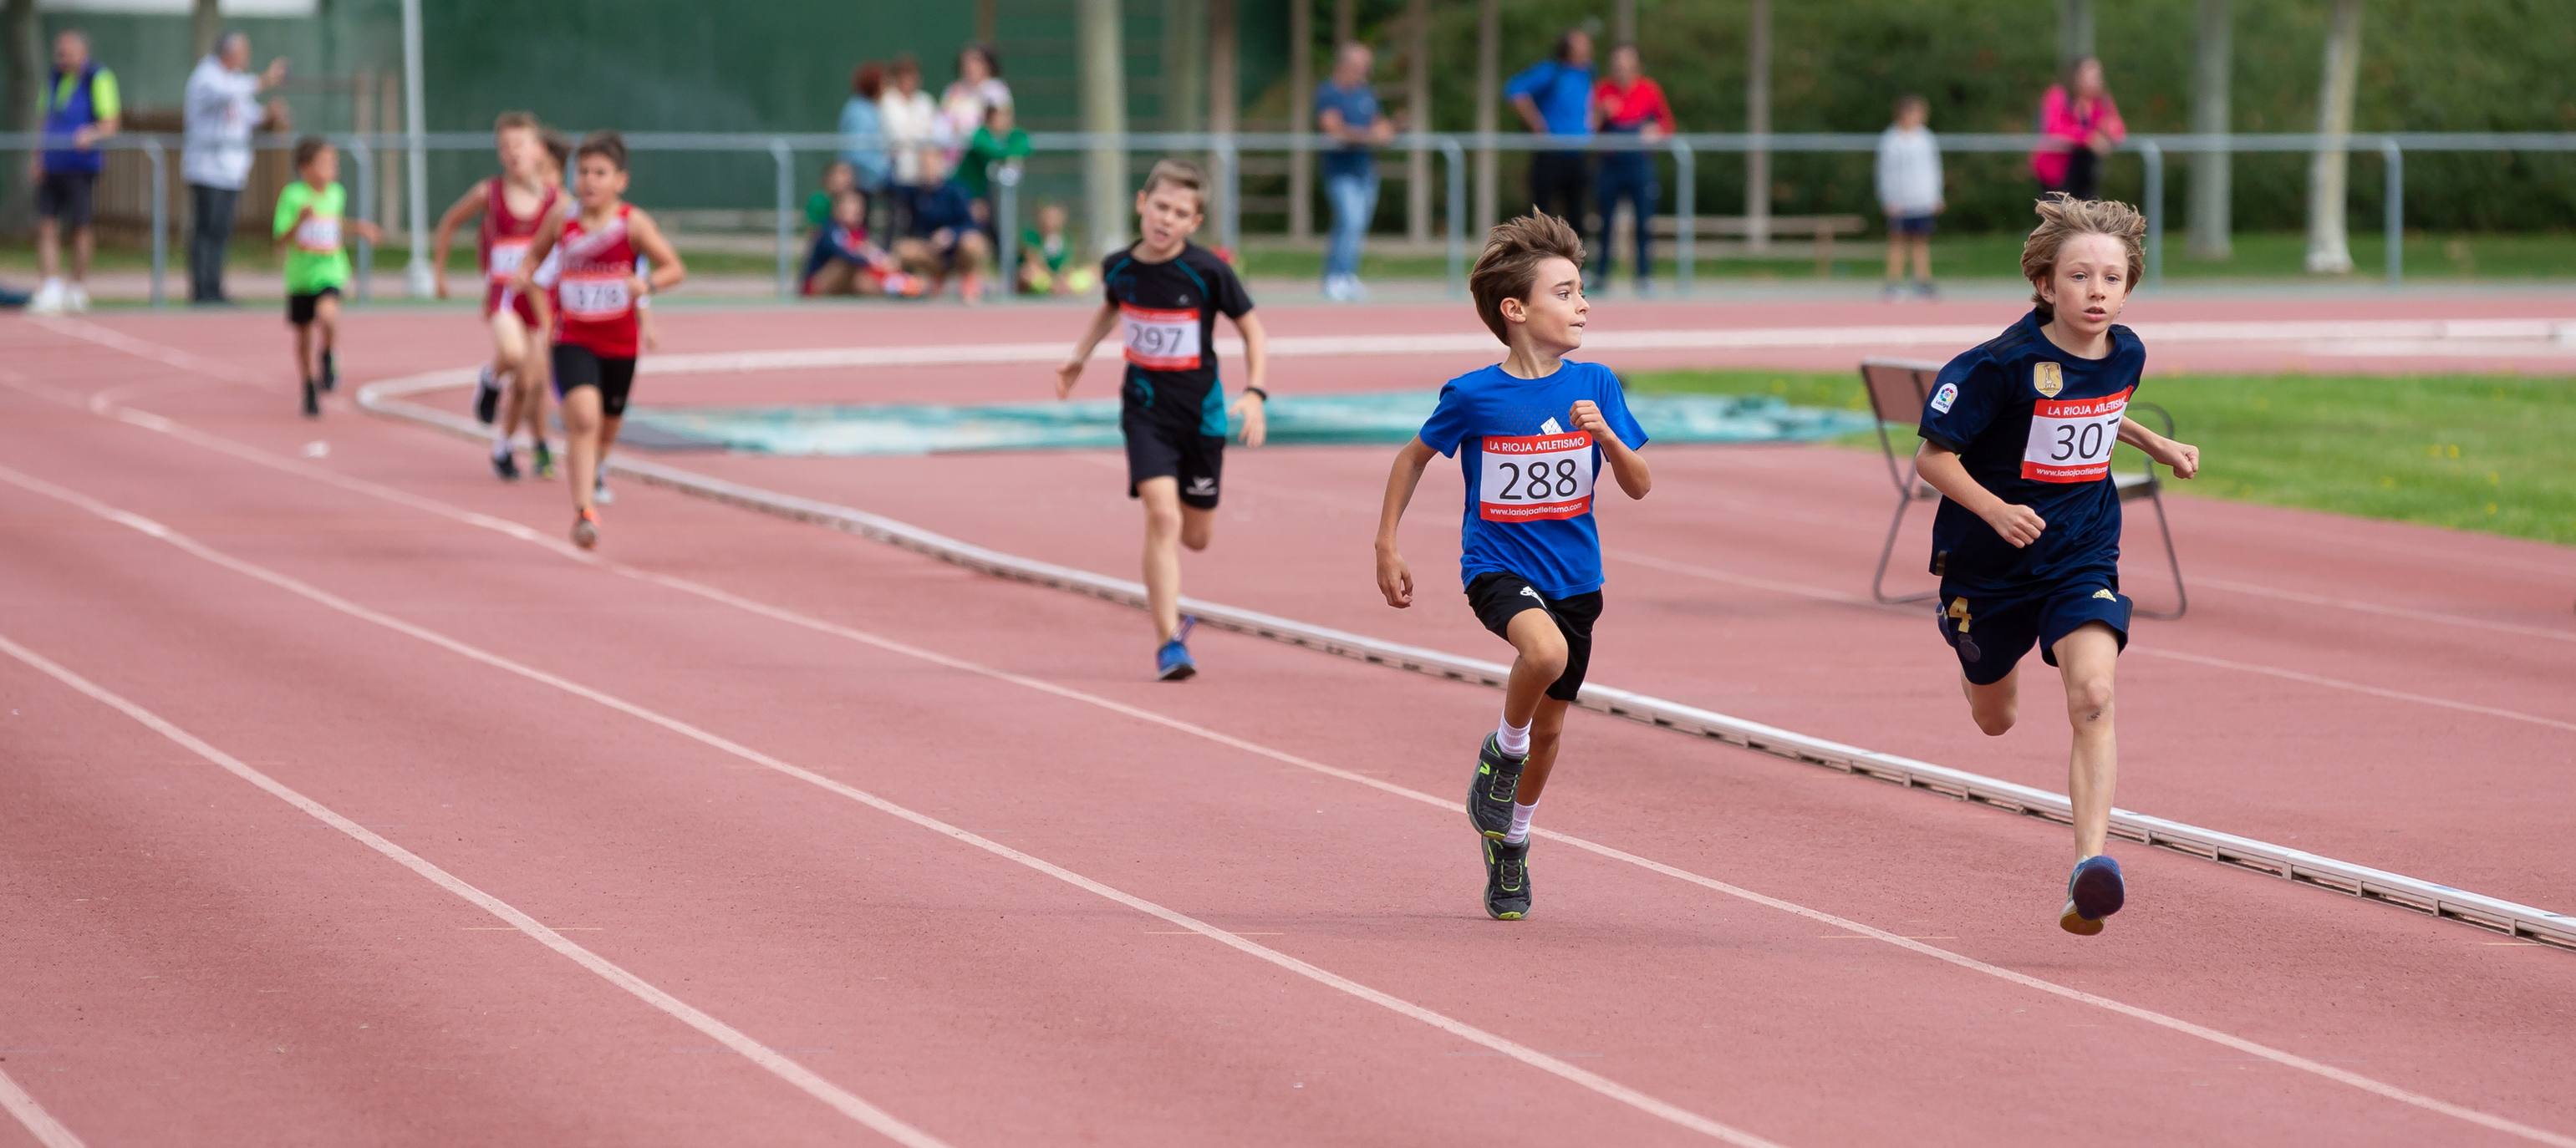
<point x="997" y="144"/>
<point x="307" y="229"/>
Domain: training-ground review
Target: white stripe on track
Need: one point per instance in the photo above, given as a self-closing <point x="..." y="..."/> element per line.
<point x="2170" y="1023"/>
<point x="31" y="1115"/>
<point x="771" y="1060"/>
<point x="774" y="1062"/>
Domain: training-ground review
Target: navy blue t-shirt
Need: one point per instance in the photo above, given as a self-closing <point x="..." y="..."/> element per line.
<point x="1358" y="105"/>
<point x="2035" y="425"/>
<point x="1529" y="473"/>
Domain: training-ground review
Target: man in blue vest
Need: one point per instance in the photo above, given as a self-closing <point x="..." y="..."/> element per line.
<point x="81" y="108"/>
<point x="1554" y="97"/>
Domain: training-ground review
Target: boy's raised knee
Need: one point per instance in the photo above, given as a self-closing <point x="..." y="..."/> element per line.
<point x="1995" y="723"/>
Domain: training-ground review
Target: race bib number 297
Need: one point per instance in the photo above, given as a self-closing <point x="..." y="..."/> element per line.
<point x="1161" y="340"/>
<point x="2071" y="439"/>
<point x="1527" y="479"/>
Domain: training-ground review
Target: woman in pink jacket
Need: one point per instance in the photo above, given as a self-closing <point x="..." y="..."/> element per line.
<point x="2078" y="126"/>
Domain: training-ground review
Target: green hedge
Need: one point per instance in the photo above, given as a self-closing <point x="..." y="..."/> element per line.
<point x="2427" y="65"/>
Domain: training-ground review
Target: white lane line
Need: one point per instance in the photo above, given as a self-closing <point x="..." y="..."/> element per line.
<point x="1710" y="574"/>
<point x="771" y="1060"/>
<point x="32" y="1116"/>
<point x="777" y="1064"/>
<point x="2173" y="1024"/>
<point x="2359" y="607"/>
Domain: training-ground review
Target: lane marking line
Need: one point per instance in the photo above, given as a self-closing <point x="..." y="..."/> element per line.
<point x="775" y="1062"/>
<point x="2169" y="1023"/>
<point x="33" y="1117"/>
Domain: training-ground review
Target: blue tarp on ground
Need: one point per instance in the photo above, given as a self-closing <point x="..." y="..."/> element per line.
<point x="1386" y="418"/>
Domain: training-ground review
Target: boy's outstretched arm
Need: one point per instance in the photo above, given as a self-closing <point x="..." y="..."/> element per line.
<point x="1940" y="466"/>
<point x="1626" y="464"/>
<point x="1251" y="411"/>
<point x="2181" y="457"/>
<point x="1071" y="372"/>
<point x="1394" y="578"/>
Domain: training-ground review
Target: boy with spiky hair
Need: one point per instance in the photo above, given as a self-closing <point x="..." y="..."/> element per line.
<point x="1531" y="433"/>
<point x="1167" y="292"/>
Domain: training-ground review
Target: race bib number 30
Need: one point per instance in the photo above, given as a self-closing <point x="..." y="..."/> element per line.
<point x="507" y="255"/>
<point x="1535" y="478"/>
<point x="595" y="296"/>
<point x="1161" y="340"/>
<point x="2071" y="439"/>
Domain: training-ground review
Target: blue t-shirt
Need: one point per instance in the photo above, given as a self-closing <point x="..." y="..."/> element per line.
<point x="2035" y="425"/>
<point x="1562" y="92"/>
<point x="1530" y="474"/>
<point x="1358" y="105"/>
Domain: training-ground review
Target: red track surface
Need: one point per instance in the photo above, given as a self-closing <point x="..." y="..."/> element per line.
<point x="194" y="958"/>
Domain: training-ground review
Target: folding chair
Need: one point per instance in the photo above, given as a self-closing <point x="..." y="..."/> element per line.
<point x="1898" y="389"/>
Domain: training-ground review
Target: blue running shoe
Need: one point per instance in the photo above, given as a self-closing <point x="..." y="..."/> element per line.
<point x="1172" y="663"/>
<point x="2093" y="891"/>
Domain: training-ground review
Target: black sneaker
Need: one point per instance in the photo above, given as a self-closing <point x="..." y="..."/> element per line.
<point x="312" y="401"/>
<point x="505" y="463"/>
<point x="487" y="398"/>
<point x="1491" y="792"/>
<point x="1507" y="880"/>
<point x="331" y="375"/>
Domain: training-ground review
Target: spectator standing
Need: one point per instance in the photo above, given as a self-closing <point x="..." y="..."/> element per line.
<point x="1910" y="191"/>
<point x="998" y="144"/>
<point x="862" y="119"/>
<point x="1347" y="112"/>
<point x="1554" y="97"/>
<point x="80" y="109"/>
<point x="977" y="89"/>
<point x="2078" y="128"/>
<point x="1629" y="103"/>
<point x="221" y="111"/>
<point x="911" y="124"/>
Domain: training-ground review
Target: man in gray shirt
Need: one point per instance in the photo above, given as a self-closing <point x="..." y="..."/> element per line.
<point x="222" y="110"/>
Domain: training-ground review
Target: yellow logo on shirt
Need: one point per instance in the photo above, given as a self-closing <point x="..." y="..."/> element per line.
<point x="2106" y="595"/>
<point x="2047" y="379"/>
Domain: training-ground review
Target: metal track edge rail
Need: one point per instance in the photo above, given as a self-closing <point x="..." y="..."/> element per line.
<point x="2432" y="898"/>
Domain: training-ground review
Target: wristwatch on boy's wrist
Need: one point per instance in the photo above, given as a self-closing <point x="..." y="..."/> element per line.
<point x="1265" y="395"/>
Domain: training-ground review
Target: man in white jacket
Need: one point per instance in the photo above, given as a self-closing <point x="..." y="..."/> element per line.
<point x="1909" y="190"/>
<point x="222" y="109"/>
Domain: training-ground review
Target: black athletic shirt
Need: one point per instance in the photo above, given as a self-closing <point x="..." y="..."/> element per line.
<point x="2035" y="425"/>
<point x="1168" y="312"/>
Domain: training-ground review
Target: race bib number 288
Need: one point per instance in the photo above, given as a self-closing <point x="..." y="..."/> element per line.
<point x="1526" y="479"/>
<point x="2071" y="439"/>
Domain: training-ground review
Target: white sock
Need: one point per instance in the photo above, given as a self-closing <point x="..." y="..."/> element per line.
<point x="1514" y="740"/>
<point x="1521" y="815"/>
<point x="500" y="443"/>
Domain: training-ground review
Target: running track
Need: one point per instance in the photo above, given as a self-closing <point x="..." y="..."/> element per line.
<point x="342" y="804"/>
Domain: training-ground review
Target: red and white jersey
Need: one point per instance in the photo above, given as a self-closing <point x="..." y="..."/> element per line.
<point x="594" y="296"/>
<point x="506" y="235"/>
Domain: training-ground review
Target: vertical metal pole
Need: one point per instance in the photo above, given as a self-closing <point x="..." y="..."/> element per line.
<point x="1685" y="213"/>
<point x="1006" y="227"/>
<point x="1454" y="157"/>
<point x="160" y="157"/>
<point x="1301" y="118"/>
<point x="1229" y="207"/>
<point x="785" y="159"/>
<point x="2396" y="210"/>
<point x="1104" y="116"/>
<point x="363" y="158"/>
<point x="2155" y="197"/>
<point x="415" y="119"/>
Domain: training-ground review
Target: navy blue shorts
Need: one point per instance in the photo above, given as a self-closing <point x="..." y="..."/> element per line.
<point x="1910" y="225"/>
<point x="1990" y="634"/>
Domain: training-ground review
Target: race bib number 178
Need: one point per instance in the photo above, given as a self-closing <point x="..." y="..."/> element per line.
<point x="1526" y="479"/>
<point x="2071" y="439"/>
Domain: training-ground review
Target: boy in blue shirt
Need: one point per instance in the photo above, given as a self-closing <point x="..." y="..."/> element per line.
<point x="2017" y="437"/>
<point x="1531" y="433"/>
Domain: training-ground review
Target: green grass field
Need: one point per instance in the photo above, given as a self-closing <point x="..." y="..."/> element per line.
<point x="2474" y="452"/>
